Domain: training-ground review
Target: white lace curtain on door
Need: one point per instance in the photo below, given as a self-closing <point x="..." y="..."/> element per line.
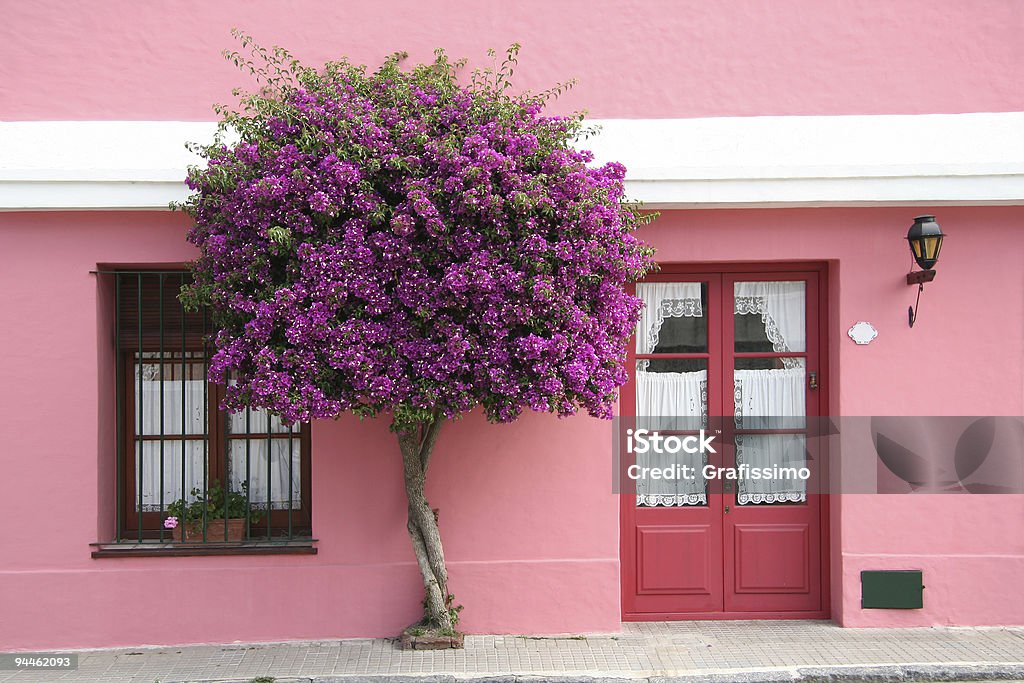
<point x="672" y="400"/>
<point x="772" y="398"/>
<point x="781" y="307"/>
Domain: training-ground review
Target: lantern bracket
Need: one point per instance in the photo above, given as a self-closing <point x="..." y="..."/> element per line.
<point x="919" y="277"/>
<point x="912" y="311"/>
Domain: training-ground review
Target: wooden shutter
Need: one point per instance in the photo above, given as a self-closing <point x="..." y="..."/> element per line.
<point x="141" y="327"/>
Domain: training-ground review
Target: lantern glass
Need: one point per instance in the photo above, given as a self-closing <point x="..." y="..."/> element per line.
<point x="925" y="238"/>
<point x="931" y="246"/>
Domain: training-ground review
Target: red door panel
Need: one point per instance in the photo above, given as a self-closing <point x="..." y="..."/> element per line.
<point x="677" y="567"/>
<point x="758" y="549"/>
<point x="675" y="560"/>
<point x="774" y="567"/>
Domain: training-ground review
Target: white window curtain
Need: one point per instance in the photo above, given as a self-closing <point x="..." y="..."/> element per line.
<point x="772" y="398"/>
<point x="779" y="450"/>
<point x="256" y="448"/>
<point x="192" y="392"/>
<point x="175" y="393"/>
<point x="781" y="307"/>
<point x="671" y="398"/>
<point x="674" y="400"/>
<point x="664" y="300"/>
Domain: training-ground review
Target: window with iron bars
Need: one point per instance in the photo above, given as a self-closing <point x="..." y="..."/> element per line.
<point x="227" y="479"/>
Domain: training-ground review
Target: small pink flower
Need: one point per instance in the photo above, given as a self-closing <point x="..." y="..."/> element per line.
<point x="170" y="522"/>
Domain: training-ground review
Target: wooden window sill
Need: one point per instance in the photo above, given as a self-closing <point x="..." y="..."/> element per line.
<point x="168" y="549"/>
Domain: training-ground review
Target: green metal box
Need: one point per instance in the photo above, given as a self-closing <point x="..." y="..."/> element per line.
<point x="892" y="589"/>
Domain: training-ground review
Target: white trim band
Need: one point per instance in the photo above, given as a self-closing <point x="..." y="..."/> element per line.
<point x="672" y="163"/>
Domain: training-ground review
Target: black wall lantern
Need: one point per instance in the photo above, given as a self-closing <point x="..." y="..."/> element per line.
<point x="925" y="238"/>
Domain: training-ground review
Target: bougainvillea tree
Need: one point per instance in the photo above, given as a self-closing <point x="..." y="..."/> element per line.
<point x="408" y="243"/>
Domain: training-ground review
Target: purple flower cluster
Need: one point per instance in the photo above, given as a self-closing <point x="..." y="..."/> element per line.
<point x="396" y="241"/>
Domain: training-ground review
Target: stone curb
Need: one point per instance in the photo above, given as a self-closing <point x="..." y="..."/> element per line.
<point x="888" y="673"/>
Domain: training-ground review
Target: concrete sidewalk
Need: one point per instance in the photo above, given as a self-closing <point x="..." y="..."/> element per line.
<point x="694" y="651"/>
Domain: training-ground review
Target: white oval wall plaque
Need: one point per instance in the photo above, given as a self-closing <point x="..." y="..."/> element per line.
<point x="862" y="333"/>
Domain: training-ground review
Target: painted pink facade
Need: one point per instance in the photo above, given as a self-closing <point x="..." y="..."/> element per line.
<point x="530" y="522"/>
<point x="635" y="59"/>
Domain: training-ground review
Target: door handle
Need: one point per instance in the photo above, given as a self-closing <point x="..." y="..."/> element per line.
<point x="726" y="509"/>
<point x="812" y="380"/>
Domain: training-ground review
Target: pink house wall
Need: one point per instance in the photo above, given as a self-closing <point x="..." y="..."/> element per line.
<point x="121" y="59"/>
<point x="530" y="522"/>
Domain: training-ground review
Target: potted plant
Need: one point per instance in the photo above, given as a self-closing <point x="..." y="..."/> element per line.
<point x="218" y="508"/>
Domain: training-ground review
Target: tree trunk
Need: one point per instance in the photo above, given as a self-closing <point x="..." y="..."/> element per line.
<point x="416" y="443"/>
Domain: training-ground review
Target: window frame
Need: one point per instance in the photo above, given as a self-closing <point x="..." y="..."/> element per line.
<point x="277" y="527"/>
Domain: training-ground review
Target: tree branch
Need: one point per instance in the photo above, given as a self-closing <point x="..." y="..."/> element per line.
<point x="426" y="446"/>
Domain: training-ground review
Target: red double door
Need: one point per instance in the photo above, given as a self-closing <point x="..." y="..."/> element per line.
<point x="739" y="354"/>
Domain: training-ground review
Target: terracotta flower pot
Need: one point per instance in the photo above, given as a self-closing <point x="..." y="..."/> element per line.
<point x="214" y="531"/>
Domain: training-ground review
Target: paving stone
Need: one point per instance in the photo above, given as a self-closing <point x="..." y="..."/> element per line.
<point x="650" y="652"/>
